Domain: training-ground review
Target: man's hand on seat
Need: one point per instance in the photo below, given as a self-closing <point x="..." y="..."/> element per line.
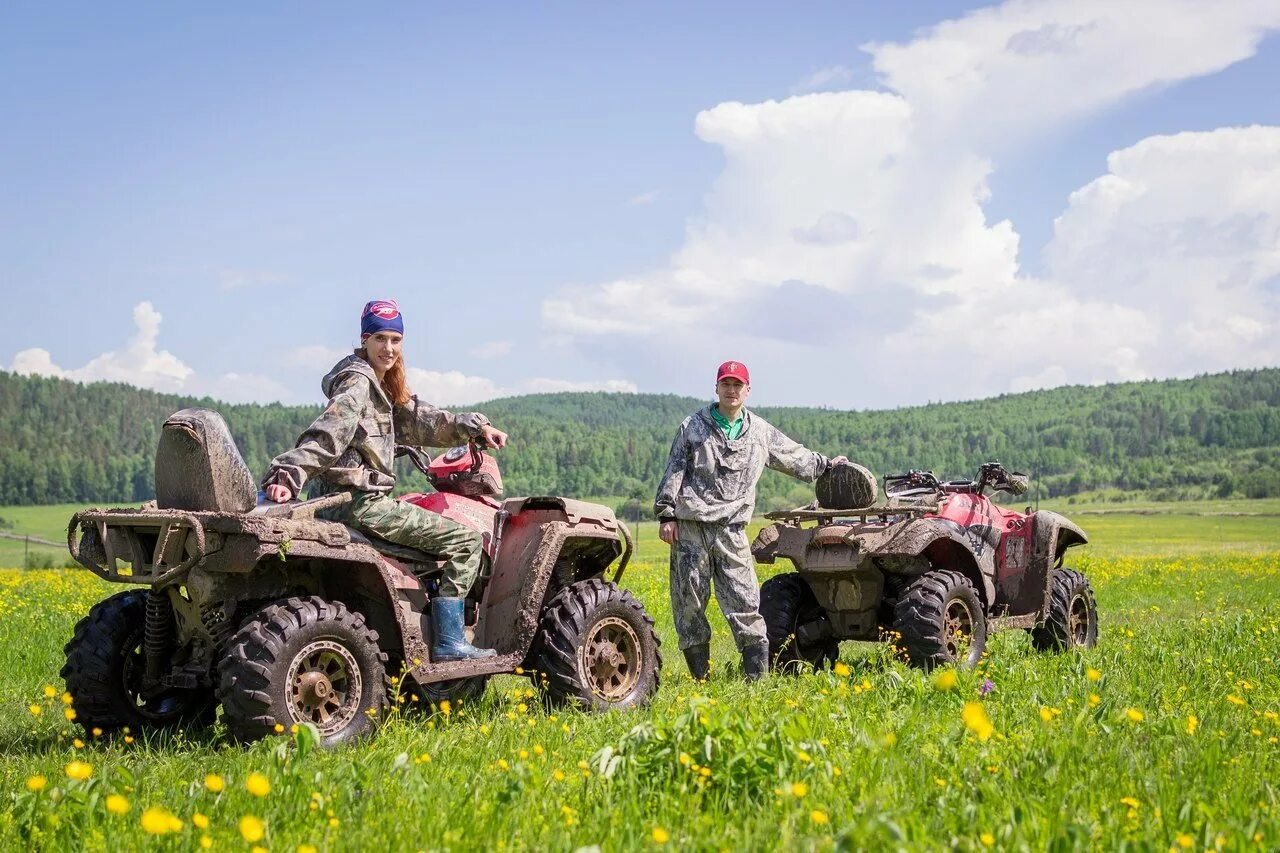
<point x="493" y="437"/>
<point x="278" y="493"/>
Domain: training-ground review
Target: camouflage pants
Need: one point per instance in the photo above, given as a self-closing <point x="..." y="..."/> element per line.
<point x="718" y="555"/>
<point x="414" y="527"/>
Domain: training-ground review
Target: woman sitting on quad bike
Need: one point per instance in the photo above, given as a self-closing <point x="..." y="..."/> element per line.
<point x="351" y="447"/>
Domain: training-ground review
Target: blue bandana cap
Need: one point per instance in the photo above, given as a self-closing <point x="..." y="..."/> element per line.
<point x="381" y="315"/>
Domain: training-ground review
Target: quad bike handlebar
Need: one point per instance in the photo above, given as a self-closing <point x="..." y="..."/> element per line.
<point x="990" y="474"/>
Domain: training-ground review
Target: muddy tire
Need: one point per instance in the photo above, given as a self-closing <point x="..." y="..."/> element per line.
<point x="786" y="603"/>
<point x="596" y="649"/>
<point x="940" y="620"/>
<point x="303" y="660"/>
<point x="104" y="670"/>
<point x="1072" y="620"/>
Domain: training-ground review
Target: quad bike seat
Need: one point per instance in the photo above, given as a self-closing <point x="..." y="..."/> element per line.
<point x="199" y="468"/>
<point x="391" y="549"/>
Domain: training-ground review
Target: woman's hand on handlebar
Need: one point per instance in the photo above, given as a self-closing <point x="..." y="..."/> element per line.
<point x="278" y="493"/>
<point x="493" y="437"/>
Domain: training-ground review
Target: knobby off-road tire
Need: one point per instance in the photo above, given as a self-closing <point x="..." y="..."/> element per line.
<point x="303" y="660"/>
<point x="941" y="621"/>
<point x="596" y="649"/>
<point x="1072" y="620"/>
<point x="104" y="669"/>
<point x="786" y="603"/>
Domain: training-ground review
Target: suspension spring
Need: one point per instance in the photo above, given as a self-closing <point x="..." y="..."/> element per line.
<point x="157" y="637"/>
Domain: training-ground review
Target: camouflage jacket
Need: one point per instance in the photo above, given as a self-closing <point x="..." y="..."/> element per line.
<point x="711" y="478"/>
<point x="352" y="443"/>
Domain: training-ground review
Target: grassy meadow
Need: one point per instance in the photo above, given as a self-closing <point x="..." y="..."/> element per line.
<point x="1163" y="737"/>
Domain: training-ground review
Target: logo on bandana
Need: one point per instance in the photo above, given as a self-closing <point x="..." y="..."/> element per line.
<point x="383" y="310"/>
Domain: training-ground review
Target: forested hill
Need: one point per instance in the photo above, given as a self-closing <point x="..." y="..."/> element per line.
<point x="1213" y="435"/>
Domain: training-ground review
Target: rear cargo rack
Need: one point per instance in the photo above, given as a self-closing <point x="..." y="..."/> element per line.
<point x="158" y="545"/>
<point x="882" y="512"/>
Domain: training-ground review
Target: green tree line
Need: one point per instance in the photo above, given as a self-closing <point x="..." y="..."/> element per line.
<point x="1214" y="435"/>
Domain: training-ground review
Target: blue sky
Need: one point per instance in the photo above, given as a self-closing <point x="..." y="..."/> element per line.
<point x="566" y="197"/>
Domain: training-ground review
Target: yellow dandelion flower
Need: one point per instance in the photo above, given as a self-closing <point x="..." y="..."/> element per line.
<point x="945" y="680"/>
<point x="976" y="720"/>
<point x="252" y="829"/>
<point x="69" y="713"/>
<point x="445" y="707"/>
<point x="818" y="817"/>
<point x="1046" y="715"/>
<point x="205" y="842"/>
<point x="1193" y="722"/>
<point x="660" y="835"/>
<point x="258" y="785"/>
<point x="66" y="699"/>
<point x="537" y="749"/>
<point x="77" y="743"/>
<point x="333" y="821"/>
<point x="215" y="783"/>
<point x="279" y="728"/>
<point x="842" y="670"/>
<point x="200" y="821"/>
<point x="803" y="756"/>
<point x="558" y="775"/>
<point x="1133" y="715"/>
<point x="35" y="710"/>
<point x="306" y="848"/>
<point x="1131" y="802"/>
<point x="49" y="692"/>
<point x="1092" y="674"/>
<point x="36" y="783"/>
<point x="1234" y="700"/>
<point x="79" y="770"/>
<point x="158" y="820"/>
<point x="799" y="789"/>
<point x="987" y="839"/>
<point x="1094" y="700"/>
<point x="116" y="804"/>
<point x="1186" y="842"/>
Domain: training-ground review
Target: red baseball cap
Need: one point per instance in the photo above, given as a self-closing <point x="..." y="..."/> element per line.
<point x="734" y="369"/>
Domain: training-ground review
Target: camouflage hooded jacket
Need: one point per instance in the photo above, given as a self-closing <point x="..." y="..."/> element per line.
<point x="352" y="443"/>
<point x="712" y="478"/>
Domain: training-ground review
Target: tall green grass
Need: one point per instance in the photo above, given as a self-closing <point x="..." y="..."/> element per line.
<point x="1165" y="735"/>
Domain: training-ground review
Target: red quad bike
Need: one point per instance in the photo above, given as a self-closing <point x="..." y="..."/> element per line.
<point x="937" y="568"/>
<point x="282" y="617"/>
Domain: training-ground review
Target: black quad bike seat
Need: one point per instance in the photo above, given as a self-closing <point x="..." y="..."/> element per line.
<point x="391" y="549"/>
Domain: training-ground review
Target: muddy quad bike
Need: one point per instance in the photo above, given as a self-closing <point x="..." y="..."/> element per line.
<point x="283" y="617"/>
<point x="937" y="568"/>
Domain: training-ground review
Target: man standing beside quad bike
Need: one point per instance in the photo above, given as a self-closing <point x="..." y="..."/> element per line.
<point x="706" y="497"/>
<point x="351" y="447"/>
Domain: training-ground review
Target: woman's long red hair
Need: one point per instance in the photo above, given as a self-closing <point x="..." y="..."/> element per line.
<point x="393" y="381"/>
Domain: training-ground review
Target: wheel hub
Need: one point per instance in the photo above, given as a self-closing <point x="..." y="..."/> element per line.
<point x="324" y="686"/>
<point x="1078" y="620"/>
<point x="958" y="629"/>
<point x="609" y="658"/>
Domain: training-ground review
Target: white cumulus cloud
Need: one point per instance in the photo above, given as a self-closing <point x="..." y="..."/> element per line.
<point x="140" y="362"/>
<point x="847" y="232"/>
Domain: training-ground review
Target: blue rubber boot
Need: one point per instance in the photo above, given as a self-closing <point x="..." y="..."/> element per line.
<point x="450" y="642"/>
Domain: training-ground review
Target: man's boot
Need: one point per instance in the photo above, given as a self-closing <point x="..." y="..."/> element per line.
<point x="450" y="641"/>
<point x="755" y="661"/>
<point x="699" y="660"/>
